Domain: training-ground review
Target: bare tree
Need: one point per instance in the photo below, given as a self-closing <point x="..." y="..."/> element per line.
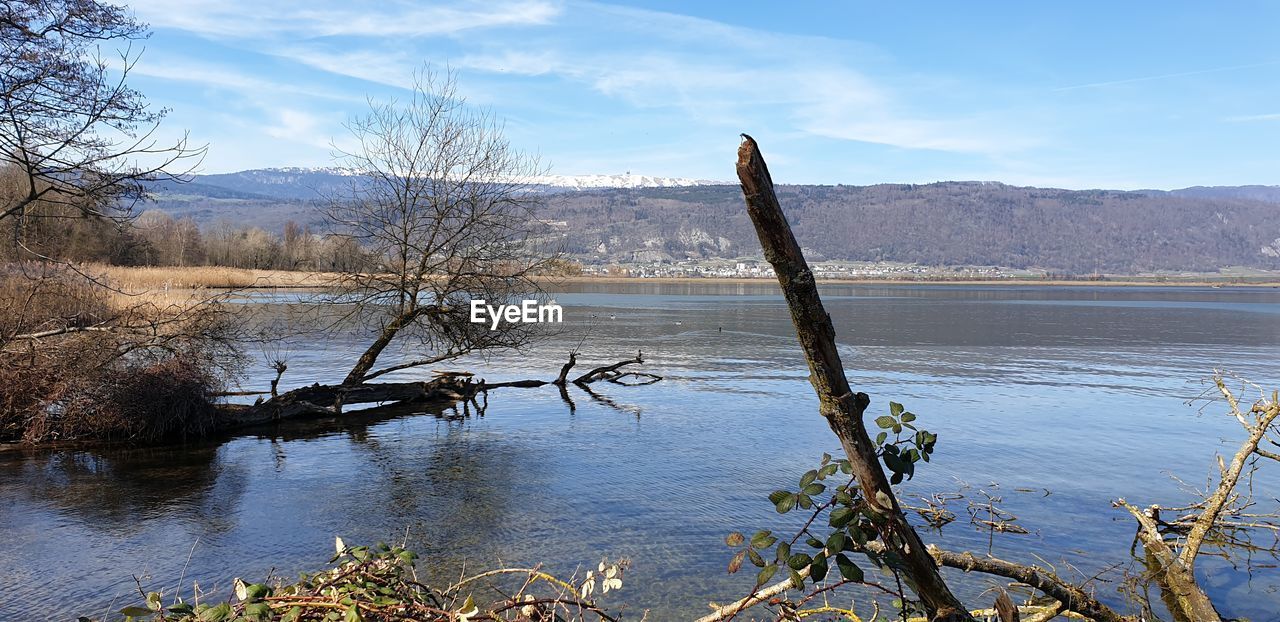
<point x="83" y="141"/>
<point x="442" y="204"/>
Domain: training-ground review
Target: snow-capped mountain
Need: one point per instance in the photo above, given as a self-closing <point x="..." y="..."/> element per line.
<point x="295" y="182"/>
<point x="625" y="180"/>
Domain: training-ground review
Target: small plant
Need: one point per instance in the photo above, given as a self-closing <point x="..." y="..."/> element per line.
<point x="839" y="526"/>
<point x="380" y="584"/>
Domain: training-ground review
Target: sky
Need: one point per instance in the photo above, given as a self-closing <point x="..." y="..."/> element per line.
<point x="1120" y="95"/>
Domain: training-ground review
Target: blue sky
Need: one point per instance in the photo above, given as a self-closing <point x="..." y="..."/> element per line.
<point x="1074" y="95"/>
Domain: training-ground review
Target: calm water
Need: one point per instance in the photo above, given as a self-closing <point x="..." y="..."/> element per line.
<point x="1081" y="391"/>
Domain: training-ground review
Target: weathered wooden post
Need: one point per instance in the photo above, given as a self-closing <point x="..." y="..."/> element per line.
<point x="842" y="408"/>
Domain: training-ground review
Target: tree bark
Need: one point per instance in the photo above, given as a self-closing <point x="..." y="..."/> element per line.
<point x="600" y="372"/>
<point x="1178" y="587"/>
<point x="328" y="399"/>
<point x="837" y="403"/>
<point x="564" y="371"/>
<point x="370" y="355"/>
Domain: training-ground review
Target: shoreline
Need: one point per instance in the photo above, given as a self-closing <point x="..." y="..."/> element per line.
<point x="1126" y="282"/>
<point x="150" y="278"/>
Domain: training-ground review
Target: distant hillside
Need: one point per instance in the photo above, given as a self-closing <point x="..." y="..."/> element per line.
<point x="950" y="223"/>
<point x="1270" y="194"/>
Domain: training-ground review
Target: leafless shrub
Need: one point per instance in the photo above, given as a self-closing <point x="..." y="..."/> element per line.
<point x="78" y="360"/>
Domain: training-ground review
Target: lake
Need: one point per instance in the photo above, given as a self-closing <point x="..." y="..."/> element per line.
<point x="1057" y="400"/>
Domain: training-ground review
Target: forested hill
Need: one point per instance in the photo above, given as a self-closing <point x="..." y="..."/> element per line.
<point x="949" y="223"/>
<point x="940" y="224"/>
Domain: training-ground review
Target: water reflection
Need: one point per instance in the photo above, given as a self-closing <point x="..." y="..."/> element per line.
<point x="1024" y="386"/>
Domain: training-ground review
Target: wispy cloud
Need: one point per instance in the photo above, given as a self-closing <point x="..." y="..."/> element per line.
<point x="1165" y="76"/>
<point x="245" y="19"/>
<point x="718" y="73"/>
<point x="1273" y="116"/>
<point x="227" y="77"/>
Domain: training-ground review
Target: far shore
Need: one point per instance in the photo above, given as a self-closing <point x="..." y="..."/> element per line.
<point x="152" y="278"/>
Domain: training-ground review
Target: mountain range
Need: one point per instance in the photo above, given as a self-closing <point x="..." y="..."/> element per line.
<point x="633" y="218"/>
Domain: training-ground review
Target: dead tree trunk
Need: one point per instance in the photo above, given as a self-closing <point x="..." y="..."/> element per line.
<point x="326" y="400"/>
<point x="837" y="403"/>
<point x="602" y="372"/>
<point x="1178" y="588"/>
<point x="564" y="371"/>
<point x="370" y="355"/>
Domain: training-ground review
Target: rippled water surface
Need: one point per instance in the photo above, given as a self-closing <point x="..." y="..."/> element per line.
<point x="1075" y="393"/>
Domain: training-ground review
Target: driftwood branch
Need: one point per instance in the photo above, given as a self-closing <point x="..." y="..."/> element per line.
<point x="327" y="400"/>
<point x="1178" y="587"/>
<point x="1258" y="427"/>
<point x="1071" y="597"/>
<point x="607" y="370"/>
<point x="453" y="387"/>
<point x="564" y="371"/>
<point x="837" y="403"/>
<point x="1174" y="570"/>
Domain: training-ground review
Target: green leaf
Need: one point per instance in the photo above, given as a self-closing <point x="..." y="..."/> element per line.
<point x="808" y="477"/>
<point x="797" y="581"/>
<point x="181" y="608"/>
<point x="135" y="612"/>
<point x="814" y="489"/>
<point x="836" y="542"/>
<point x="818" y="569"/>
<point x="256" y="591"/>
<point x="849" y="570"/>
<point x="895" y="479"/>
<point x="756" y="559"/>
<point x="766" y="574"/>
<point x="895" y="409"/>
<point x="840" y="517"/>
<point x="763" y="539"/>
<point x="814" y="542"/>
<point x="786" y="504"/>
<point x="260" y="610"/>
<point x="777" y="496"/>
<point x="353" y="614"/>
<point x="828" y="470"/>
<point x="907" y="417"/>
<point x="734" y="539"/>
<point x="784" y="552"/>
<point x="885" y="421"/>
<point x="804" y="501"/>
<point x="799" y="561"/>
<point x="881" y="438"/>
<point x="215" y="614"/>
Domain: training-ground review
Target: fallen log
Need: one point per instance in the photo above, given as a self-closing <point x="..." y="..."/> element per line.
<point x="605" y="371"/>
<point x="321" y="400"/>
<point x="447" y="387"/>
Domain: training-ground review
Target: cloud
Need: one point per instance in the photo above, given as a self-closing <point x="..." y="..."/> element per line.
<point x="734" y="76"/>
<point x="1166" y="76"/>
<point x="242" y="19"/>
<point x="220" y="76"/>
<point x="1273" y="116"/>
<point x="300" y="127"/>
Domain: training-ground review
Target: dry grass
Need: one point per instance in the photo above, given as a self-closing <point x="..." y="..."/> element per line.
<point x="80" y="361"/>
<point x="150" y="279"/>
